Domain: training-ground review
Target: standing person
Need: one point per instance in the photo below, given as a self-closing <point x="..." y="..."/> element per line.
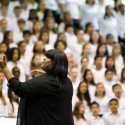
<point x="47" y="97"/>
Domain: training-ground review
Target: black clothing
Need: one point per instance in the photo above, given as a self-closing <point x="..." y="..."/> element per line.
<point x="42" y="102"/>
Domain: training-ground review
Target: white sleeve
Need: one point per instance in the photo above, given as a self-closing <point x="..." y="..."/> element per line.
<point x="62" y="1"/>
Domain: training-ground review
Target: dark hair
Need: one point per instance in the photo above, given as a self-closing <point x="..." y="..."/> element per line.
<point x="122" y="79"/>
<point x="10" y="98"/>
<point x="108" y="70"/>
<point x="115" y="86"/>
<point x="113" y="68"/>
<point x="11" y="52"/>
<point x="107" y="36"/>
<point x="58" y="41"/>
<point x="97" y="51"/>
<point x="19" y="44"/>
<point x="76" y="110"/>
<point x="68" y="25"/>
<point x="26" y="32"/>
<point x="84" y="77"/>
<point x="4" y="5"/>
<point x="87" y="25"/>
<point x="59" y="66"/>
<point x="87" y="96"/>
<point x="105" y="16"/>
<point x="91" y="41"/>
<point x="96" y="57"/>
<point x="36" y="21"/>
<point x="94" y="103"/>
<point x="21" y="21"/>
<point x="113" y="99"/>
<point x="46" y="11"/>
<point x="17" y="7"/>
<point x="33" y="10"/>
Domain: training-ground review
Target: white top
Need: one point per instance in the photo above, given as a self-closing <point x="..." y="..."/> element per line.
<point x="73" y="7"/>
<point x="32" y="6"/>
<point x="11" y="65"/>
<point x="80" y="121"/>
<point x="111" y="119"/>
<point x="109" y="26"/>
<point x="123" y="88"/>
<point x="91" y="89"/>
<point x="70" y="39"/>
<point x="89" y="14"/>
<point x="103" y="104"/>
<point x="93" y="49"/>
<point x="52" y="39"/>
<point x="4" y="109"/>
<point x="121" y="28"/>
<point x="98" y="75"/>
<point x="109" y="48"/>
<point x="108" y="88"/>
<point x="51" y="4"/>
<point x="95" y="121"/>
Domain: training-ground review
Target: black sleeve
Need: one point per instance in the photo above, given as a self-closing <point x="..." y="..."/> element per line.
<point x="32" y="88"/>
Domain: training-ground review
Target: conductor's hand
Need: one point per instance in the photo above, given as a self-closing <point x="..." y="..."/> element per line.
<point x="2" y="61"/>
<point x="37" y="72"/>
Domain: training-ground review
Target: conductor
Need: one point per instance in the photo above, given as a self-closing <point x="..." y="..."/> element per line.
<point x="45" y="99"/>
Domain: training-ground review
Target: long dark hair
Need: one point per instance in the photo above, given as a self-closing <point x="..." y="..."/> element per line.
<point x="59" y="66"/>
<point x="84" y="77"/>
<point x="87" y="96"/>
<point x="97" y="51"/>
<point x="113" y="68"/>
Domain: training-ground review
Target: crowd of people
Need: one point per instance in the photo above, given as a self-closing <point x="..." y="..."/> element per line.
<point x="90" y="32"/>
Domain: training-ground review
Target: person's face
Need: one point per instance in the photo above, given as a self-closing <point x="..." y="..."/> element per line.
<point x="10" y="36"/>
<point x="98" y="62"/>
<point x="42" y="7"/>
<point x="100" y="89"/>
<point x="17" y="12"/>
<point x="49" y="14"/>
<point x="81" y="109"/>
<point x="60" y="46"/>
<point x="16" y="72"/>
<point x="84" y="63"/>
<point x="14" y="96"/>
<point x="62" y="37"/>
<point x="113" y="106"/>
<point x="80" y="35"/>
<point x="89" y="76"/>
<point x="110" y="40"/>
<point x="109" y="11"/>
<point x="90" y="28"/>
<point x="22" y="48"/>
<point x="3" y="48"/>
<point x="110" y="63"/>
<point x="95" y="36"/>
<point x="74" y="72"/>
<point x="117" y="51"/>
<point x="86" y="50"/>
<point x="15" y="55"/>
<point x="3" y="25"/>
<point x="69" y="58"/>
<point x="24" y="5"/>
<point x="45" y="37"/>
<point x="22" y="26"/>
<point x="95" y="109"/>
<point x="109" y="75"/>
<point x="37" y="60"/>
<point x="122" y="9"/>
<point x="46" y="63"/>
<point x="68" y="17"/>
<point x="37" y="26"/>
<point x="83" y="88"/>
<point x="51" y="24"/>
<point x="27" y="38"/>
<point x="102" y="50"/>
<point x="70" y="30"/>
<point x="39" y="46"/>
<point x="117" y="91"/>
<point x="33" y="15"/>
<point x="90" y="2"/>
<point x="4" y="10"/>
<point x="2" y="78"/>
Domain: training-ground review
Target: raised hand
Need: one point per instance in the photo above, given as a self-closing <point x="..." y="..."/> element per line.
<point x="2" y="61"/>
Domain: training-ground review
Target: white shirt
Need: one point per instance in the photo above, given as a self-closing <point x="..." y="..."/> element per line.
<point x="95" y="121"/>
<point x="70" y="39"/>
<point x="93" y="49"/>
<point x="80" y="121"/>
<point x="103" y="104"/>
<point x="111" y="119"/>
<point x="91" y="89"/>
<point x="121" y="28"/>
<point x="109" y="26"/>
<point x="73" y="7"/>
<point x="98" y="75"/>
<point x="89" y="14"/>
<point x="52" y="39"/>
<point x="109" y="48"/>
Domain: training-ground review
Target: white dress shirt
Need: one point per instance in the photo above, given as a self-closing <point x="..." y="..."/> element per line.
<point x="80" y="121"/>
